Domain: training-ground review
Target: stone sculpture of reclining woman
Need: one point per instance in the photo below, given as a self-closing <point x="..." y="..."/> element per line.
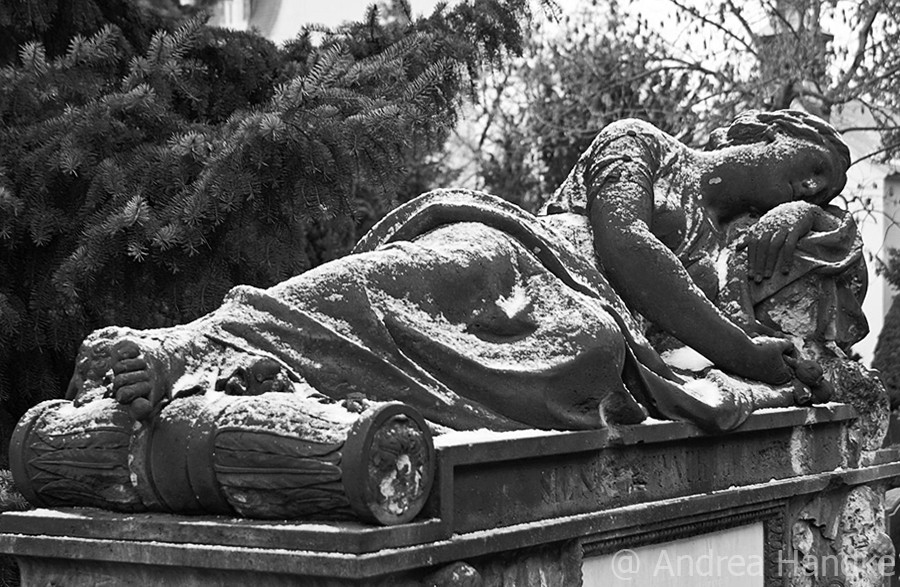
<point x="481" y="315"/>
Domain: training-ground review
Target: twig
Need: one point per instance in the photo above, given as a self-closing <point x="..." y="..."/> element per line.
<point x="884" y="149"/>
<point x="728" y="33"/>
<point x="862" y="38"/>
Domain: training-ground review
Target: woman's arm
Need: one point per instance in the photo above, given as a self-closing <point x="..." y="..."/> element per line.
<point x="652" y="281"/>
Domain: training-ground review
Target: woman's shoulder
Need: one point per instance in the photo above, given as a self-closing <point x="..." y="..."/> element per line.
<point x="627" y="149"/>
<point x="636" y="138"/>
<point x="634" y="127"/>
<point x="625" y="124"/>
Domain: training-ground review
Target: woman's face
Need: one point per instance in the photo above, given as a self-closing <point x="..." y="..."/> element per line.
<point x="801" y="170"/>
<point x="761" y="176"/>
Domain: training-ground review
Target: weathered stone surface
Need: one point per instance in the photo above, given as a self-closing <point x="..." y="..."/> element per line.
<point x="551" y="564"/>
<point x="274" y="455"/>
<point x="480" y="315"/>
<point x="455" y="575"/>
<point x="505" y="544"/>
<point x="840" y="536"/>
<point x="642" y="464"/>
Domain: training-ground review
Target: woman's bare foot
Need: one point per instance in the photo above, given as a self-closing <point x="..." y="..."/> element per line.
<point x="138" y="379"/>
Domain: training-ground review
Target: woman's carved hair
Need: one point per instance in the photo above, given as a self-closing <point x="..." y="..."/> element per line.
<point x="754" y="126"/>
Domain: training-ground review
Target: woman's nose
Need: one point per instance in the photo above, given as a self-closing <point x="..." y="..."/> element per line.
<point x="810" y="186"/>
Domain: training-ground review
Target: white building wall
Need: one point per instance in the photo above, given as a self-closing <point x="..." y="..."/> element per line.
<point x="876" y="214"/>
<point x="232" y="14"/>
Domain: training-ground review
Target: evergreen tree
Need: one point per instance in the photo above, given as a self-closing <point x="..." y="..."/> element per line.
<point x="54" y="23"/>
<point x="137" y="188"/>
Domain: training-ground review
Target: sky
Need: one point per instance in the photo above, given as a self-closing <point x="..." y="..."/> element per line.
<point x="333" y="12"/>
<point x="296" y="13"/>
<point x="329" y="12"/>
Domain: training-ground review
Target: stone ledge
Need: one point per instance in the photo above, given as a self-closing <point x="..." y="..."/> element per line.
<point x="501" y="445"/>
<point x="500" y="482"/>
<point x="496" y="493"/>
<point x="25" y="534"/>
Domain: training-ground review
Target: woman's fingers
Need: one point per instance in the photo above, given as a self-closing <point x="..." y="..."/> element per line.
<point x="133" y="381"/>
<point x="140" y="409"/>
<point x="130" y="377"/>
<point x="772" y="243"/>
<point x="752" y="246"/>
<point x="126" y="349"/>
<point x="759" y="250"/>
<point x="822" y="392"/>
<point x="803" y="395"/>
<point x="787" y="347"/>
<point x="129" y="393"/>
<point x="773" y="254"/>
<point x="126" y="365"/>
<point x="768" y="360"/>
<point x="790" y="245"/>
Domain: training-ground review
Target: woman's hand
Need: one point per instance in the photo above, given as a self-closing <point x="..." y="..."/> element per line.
<point x="810" y="385"/>
<point x="771" y="242"/>
<point x="138" y="380"/>
<point x="765" y="360"/>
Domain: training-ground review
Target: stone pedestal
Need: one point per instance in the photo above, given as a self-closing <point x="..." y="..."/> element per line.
<point x="768" y="504"/>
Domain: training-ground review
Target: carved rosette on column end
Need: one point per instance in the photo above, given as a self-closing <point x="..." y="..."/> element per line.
<point x="388" y="464"/>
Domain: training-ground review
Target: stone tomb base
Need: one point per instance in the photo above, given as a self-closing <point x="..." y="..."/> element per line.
<point x="784" y="500"/>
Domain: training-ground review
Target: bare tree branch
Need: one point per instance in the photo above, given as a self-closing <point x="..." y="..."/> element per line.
<point x="887" y="74"/>
<point x="889" y="147"/>
<point x="777" y="13"/>
<point x="694" y="66"/>
<point x="719" y="26"/>
<point x="866" y="128"/>
<point x="495" y="107"/>
<point x="876" y="109"/>
<point x="739" y="15"/>
<point x="862" y="39"/>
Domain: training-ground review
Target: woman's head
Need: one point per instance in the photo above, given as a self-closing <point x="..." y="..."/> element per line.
<point x="801" y="150"/>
